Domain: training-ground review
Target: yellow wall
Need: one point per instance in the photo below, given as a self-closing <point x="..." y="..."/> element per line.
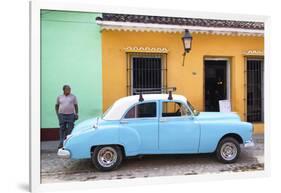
<point x="182" y="77"/>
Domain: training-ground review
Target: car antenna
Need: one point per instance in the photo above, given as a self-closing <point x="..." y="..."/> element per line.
<point x="170" y="95"/>
<point x="141" y="97"/>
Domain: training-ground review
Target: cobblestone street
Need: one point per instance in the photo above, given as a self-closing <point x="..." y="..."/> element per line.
<point x="54" y="169"/>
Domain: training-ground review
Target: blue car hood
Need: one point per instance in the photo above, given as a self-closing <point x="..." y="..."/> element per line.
<point x="218" y="116"/>
<point x="85" y="125"/>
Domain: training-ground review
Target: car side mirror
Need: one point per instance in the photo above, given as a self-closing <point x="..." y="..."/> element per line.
<point x="195" y="112"/>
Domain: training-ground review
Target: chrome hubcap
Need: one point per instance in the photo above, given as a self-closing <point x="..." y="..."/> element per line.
<point x="107" y="156"/>
<point x="228" y="151"/>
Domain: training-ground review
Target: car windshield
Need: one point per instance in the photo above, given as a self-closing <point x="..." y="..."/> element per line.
<point x="107" y="110"/>
<point x="195" y="112"/>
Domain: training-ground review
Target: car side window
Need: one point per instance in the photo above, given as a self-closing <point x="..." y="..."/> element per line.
<point x="143" y="110"/>
<point x="174" y="109"/>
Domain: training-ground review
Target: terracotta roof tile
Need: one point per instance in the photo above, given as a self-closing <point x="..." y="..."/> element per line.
<point x="181" y="21"/>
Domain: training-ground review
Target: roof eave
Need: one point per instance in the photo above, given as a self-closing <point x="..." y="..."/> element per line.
<point x="149" y="27"/>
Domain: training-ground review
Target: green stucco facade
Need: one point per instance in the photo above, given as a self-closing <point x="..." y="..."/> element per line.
<point x="70" y="54"/>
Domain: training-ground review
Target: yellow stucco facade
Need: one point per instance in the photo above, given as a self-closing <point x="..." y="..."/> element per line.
<point x="188" y="79"/>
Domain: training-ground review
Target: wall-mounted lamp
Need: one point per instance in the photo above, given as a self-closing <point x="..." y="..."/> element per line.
<point x="187" y="41"/>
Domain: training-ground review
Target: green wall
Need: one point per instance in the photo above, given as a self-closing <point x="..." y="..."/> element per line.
<point x="70" y="54"/>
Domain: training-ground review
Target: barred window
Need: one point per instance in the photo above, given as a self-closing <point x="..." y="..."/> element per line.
<point x="254" y="85"/>
<point x="146" y="70"/>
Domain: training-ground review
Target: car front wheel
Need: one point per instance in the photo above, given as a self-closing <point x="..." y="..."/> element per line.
<point x="107" y="158"/>
<point x="228" y="150"/>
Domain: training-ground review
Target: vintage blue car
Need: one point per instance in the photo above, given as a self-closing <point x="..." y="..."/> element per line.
<point x="156" y="124"/>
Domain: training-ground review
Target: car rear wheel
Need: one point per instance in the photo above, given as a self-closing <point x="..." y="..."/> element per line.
<point x="107" y="158"/>
<point x="228" y="150"/>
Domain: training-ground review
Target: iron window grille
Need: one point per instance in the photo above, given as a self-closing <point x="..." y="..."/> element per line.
<point x="146" y="71"/>
<point x="254" y="89"/>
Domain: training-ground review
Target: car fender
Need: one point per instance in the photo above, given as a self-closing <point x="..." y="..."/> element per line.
<point x="130" y="140"/>
<point x="213" y="132"/>
<point x="80" y="145"/>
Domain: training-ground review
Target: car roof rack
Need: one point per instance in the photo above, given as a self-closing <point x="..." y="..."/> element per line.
<point x="142" y="91"/>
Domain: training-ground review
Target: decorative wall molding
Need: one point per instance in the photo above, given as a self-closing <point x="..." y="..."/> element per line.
<point x="145" y="49"/>
<point x="253" y="53"/>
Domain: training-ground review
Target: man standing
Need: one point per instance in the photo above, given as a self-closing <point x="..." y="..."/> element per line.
<point x="67" y="112"/>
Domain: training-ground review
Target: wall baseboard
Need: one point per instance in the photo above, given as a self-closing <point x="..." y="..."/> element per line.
<point x="49" y="134"/>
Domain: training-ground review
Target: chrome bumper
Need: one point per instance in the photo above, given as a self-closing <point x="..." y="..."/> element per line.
<point x="63" y="153"/>
<point x="249" y="143"/>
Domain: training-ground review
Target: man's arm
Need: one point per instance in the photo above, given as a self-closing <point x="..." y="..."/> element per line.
<point x="57" y="108"/>
<point x="76" y="105"/>
<point x="76" y="111"/>
<point x="76" y="108"/>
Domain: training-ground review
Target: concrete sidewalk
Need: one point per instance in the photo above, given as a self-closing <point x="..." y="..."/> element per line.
<point x="49" y="146"/>
<point x="52" y="146"/>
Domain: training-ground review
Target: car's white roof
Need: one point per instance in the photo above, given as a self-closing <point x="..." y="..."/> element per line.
<point x="118" y="109"/>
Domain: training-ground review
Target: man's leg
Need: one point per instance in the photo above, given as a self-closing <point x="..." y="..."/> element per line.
<point x="70" y="123"/>
<point x="62" y="130"/>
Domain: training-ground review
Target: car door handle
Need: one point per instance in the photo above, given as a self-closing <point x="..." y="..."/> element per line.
<point x="163" y="120"/>
<point x="123" y="122"/>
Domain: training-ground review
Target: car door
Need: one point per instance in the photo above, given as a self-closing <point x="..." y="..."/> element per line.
<point x="178" y="131"/>
<point x="142" y="118"/>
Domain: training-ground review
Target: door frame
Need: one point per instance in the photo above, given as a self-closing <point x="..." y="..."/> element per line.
<point x="228" y="76"/>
